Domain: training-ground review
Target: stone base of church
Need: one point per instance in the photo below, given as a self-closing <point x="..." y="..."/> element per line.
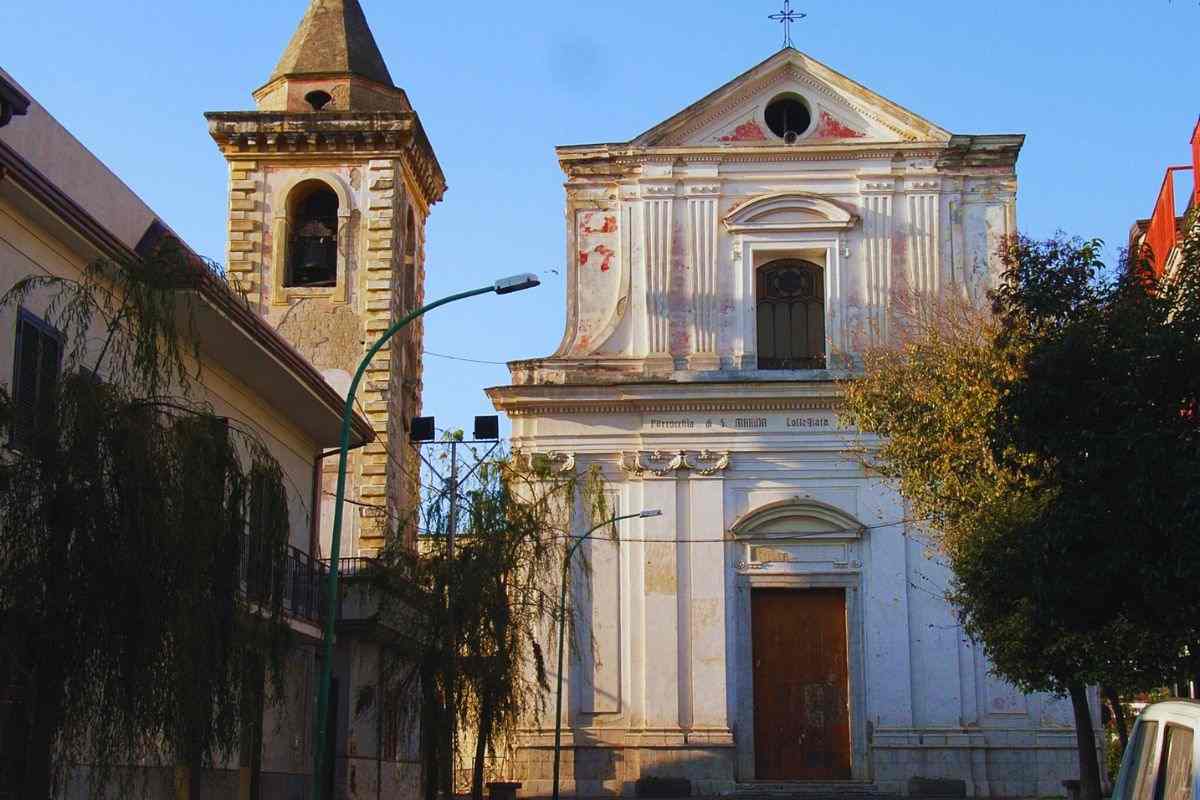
<point x="989" y="764"/>
<point x="993" y="763"/>
<point x="603" y="767"/>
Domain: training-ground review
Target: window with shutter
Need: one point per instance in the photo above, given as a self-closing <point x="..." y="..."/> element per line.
<point x="791" y="315"/>
<point x="37" y="362"/>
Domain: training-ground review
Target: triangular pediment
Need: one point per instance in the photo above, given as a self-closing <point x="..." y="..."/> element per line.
<point x="841" y="110"/>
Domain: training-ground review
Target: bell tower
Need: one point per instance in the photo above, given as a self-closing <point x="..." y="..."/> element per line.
<point x="331" y="179"/>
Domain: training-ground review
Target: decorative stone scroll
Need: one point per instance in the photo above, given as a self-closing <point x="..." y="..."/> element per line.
<point x="660" y="464"/>
<point x="562" y="463"/>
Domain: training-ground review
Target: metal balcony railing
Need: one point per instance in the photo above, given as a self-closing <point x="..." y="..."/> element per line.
<point x="297" y="578"/>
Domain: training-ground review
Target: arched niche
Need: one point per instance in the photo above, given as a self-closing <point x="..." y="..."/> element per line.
<point x="789" y="212"/>
<point x="284" y="205"/>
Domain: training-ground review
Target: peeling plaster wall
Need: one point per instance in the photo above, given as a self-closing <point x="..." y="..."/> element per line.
<point x="673" y="298"/>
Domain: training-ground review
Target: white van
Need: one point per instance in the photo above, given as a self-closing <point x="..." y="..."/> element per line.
<point x="1160" y="761"/>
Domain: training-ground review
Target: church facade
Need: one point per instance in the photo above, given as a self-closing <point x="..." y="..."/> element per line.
<point x="782" y="620"/>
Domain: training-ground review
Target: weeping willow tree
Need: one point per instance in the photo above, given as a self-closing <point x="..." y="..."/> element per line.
<point x="475" y="617"/>
<point x="124" y="513"/>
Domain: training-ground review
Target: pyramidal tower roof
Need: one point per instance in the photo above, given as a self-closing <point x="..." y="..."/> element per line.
<point x="333" y="39"/>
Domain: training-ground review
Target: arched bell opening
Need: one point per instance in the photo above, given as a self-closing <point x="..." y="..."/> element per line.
<point x="313" y="241"/>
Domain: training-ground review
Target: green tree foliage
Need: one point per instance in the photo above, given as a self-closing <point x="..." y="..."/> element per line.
<point x="475" y="617"/>
<point x="123" y="518"/>
<point x="1052" y="444"/>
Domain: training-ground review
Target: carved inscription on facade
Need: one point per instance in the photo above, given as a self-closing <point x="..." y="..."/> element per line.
<point x="808" y="421"/>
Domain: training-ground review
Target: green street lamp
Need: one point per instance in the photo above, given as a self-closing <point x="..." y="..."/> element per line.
<point x="562" y="616"/>
<point x="516" y="283"/>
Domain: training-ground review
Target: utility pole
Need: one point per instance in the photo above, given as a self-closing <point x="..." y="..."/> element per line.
<point x="486" y="433"/>
<point x="452" y="667"/>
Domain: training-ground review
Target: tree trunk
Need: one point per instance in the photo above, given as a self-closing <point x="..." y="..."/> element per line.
<point x="1118" y="712"/>
<point x="44" y="696"/>
<point x="39" y="766"/>
<point x="1085" y="735"/>
<point x="429" y="733"/>
<point x="481" y="740"/>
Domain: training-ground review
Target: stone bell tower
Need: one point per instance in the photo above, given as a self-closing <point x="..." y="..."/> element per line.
<point x="331" y="179"/>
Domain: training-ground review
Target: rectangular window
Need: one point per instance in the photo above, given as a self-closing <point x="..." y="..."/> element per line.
<point x="36" y="365"/>
<point x="1175" y="769"/>
<point x="264" y="565"/>
<point x="791" y="315"/>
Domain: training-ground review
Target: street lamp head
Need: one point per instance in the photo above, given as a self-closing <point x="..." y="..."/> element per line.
<point x="517" y="283"/>
<point x="652" y="512"/>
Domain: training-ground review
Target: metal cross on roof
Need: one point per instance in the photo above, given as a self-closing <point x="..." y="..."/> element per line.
<point x="787" y="17"/>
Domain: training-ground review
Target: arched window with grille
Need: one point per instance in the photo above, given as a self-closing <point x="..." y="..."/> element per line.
<point x="791" y="315"/>
<point x="313" y="239"/>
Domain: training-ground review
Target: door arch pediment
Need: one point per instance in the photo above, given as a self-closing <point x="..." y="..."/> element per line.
<point x="789" y="212"/>
<point x="797" y="518"/>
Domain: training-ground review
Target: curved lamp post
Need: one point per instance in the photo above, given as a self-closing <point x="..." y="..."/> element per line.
<point x="562" y="617"/>
<point x="515" y="283"/>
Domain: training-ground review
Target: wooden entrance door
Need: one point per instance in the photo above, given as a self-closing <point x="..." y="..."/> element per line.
<point x="801" y="685"/>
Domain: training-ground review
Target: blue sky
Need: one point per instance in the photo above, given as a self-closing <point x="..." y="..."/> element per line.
<point x="1106" y="92"/>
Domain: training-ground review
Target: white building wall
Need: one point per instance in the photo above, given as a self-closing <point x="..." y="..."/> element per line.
<point x="656" y="368"/>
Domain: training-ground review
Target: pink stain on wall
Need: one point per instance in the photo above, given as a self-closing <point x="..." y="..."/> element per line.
<point x="748" y="132"/>
<point x="829" y="127"/>
<point x="680" y="306"/>
<point x="607" y="253"/>
<point x="608" y="226"/>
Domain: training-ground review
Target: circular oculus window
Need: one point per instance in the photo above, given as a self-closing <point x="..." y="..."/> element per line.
<point x="788" y="117"/>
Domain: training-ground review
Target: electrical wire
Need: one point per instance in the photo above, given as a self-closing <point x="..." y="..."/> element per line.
<point x="731" y="540"/>
<point x="466" y="360"/>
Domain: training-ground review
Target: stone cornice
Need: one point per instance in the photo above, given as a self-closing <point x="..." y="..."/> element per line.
<point x="591" y="157"/>
<point x="961" y="153"/>
<point x="261" y="134"/>
<point x="973" y="152"/>
<point x="708" y="397"/>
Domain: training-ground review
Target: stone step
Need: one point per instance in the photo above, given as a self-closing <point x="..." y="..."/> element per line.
<point x="808" y="795"/>
<point x="807" y="790"/>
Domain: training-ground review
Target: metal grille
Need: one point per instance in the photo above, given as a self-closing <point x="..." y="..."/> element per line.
<point x="299" y="579"/>
<point x="791" y="315"/>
